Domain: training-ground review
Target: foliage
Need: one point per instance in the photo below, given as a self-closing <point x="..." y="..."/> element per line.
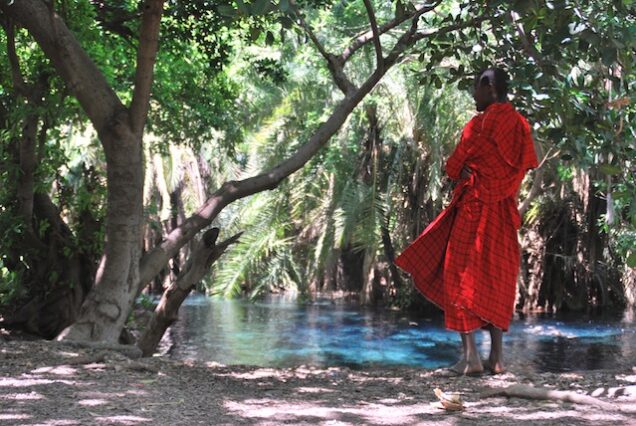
<point x="238" y="88"/>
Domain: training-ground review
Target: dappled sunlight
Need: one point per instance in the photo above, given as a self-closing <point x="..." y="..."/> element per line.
<point x="59" y="370"/>
<point x="193" y="393"/>
<point x="369" y="413"/>
<point x="52" y="387"/>
<point x="92" y="402"/>
<point x="14" y="416"/>
<point x="511" y="411"/>
<point x="313" y="390"/>
<point x="26" y="381"/>
<point x="22" y="396"/>
<point x="122" y="420"/>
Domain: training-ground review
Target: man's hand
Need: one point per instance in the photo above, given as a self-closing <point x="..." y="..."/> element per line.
<point x="466" y="172"/>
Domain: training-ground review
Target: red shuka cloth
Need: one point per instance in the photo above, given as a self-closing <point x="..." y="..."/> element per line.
<point x="467" y="260"/>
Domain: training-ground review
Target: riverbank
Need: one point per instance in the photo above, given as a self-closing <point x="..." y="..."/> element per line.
<point x="45" y="383"/>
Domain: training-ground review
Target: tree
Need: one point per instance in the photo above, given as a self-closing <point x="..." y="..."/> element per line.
<point x="120" y="128"/>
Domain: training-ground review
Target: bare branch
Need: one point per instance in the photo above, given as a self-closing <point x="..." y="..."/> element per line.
<point x="443" y="30"/>
<point x="16" y="74"/>
<point x="198" y="264"/>
<point x="376" y="35"/>
<point x="366" y="37"/>
<point x="530" y="392"/>
<point x="336" y="63"/>
<point x="146" y="57"/>
<point x="333" y="62"/>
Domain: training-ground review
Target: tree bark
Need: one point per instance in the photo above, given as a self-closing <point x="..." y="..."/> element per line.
<point x="166" y="312"/>
<point x="106" y="308"/>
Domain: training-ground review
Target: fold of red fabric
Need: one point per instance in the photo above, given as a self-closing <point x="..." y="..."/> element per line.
<point x="467" y="260"/>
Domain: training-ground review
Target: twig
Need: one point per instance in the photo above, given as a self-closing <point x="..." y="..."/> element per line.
<point x="367" y="36"/>
<point x="530" y="392"/>
<point x="425" y="34"/>
<point x="335" y="65"/>
<point x="376" y="34"/>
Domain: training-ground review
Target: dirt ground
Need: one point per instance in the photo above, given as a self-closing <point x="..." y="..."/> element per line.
<point x="45" y="383"/>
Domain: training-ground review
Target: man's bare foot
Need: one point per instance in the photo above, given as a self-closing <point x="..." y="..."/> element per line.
<point x="495" y="367"/>
<point x="473" y="368"/>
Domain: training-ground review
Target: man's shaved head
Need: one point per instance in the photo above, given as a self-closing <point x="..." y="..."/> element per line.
<point x="496" y="77"/>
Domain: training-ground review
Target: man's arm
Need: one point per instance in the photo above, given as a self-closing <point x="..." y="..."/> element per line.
<point x="455" y="165"/>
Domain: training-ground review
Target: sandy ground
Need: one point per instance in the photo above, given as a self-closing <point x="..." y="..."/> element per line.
<point x="44" y="383"/>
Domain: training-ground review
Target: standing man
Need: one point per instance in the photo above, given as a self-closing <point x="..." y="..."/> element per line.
<point x="467" y="260"/>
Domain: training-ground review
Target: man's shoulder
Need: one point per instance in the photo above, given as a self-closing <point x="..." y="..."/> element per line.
<point x="522" y="119"/>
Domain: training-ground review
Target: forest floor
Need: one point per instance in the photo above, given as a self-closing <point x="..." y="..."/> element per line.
<point x="46" y="383"/>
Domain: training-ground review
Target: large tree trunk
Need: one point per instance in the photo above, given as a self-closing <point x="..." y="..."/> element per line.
<point x="120" y="131"/>
<point x="106" y="308"/>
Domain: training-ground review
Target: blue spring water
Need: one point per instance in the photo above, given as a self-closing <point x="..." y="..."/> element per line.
<point x="282" y="333"/>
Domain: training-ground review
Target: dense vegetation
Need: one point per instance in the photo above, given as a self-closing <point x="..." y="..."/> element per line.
<point x="296" y="125"/>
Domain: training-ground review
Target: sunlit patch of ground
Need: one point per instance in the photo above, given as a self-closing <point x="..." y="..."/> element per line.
<point x="42" y="383"/>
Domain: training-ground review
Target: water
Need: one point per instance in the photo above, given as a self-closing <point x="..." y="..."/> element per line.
<point x="282" y="333"/>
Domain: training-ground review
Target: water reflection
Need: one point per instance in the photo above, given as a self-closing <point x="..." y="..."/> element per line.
<point x="280" y="333"/>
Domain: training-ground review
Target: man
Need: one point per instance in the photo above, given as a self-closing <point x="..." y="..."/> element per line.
<point x="467" y="260"/>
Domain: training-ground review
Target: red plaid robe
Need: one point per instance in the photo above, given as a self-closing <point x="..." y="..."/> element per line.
<point x="467" y="260"/>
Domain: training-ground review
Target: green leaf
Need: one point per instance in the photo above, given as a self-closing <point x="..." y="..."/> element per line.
<point x="610" y="169"/>
<point x="523" y="6"/>
<point x="242" y="7"/>
<point x="283" y="5"/>
<point x="621" y="195"/>
<point x="227" y="11"/>
<point x="255" y="33"/>
<point x="590" y="36"/>
<point x="286" y="22"/>
<point x="269" y="38"/>
<point x="631" y="260"/>
<point x="261" y="7"/>
<point x="609" y="55"/>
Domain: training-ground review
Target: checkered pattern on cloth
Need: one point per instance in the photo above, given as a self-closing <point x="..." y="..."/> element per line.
<point x="466" y="261"/>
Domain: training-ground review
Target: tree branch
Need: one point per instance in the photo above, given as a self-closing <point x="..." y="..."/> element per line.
<point x="443" y="30"/>
<point x="16" y="74"/>
<point x="530" y="392"/>
<point x="84" y="79"/>
<point x="367" y="36"/>
<point x="154" y="260"/>
<point x="537" y="183"/>
<point x="335" y="66"/>
<point x="146" y="57"/>
<point x="376" y="35"/>
<point x="199" y="262"/>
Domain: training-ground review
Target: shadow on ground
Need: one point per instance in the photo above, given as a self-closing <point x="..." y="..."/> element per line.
<point x="42" y="383"/>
